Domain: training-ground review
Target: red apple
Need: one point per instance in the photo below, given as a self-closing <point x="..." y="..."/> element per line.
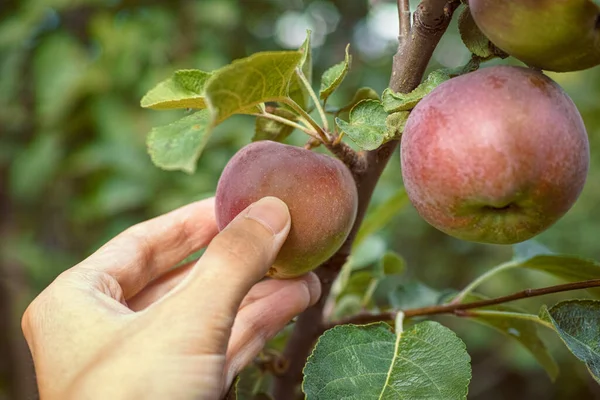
<point x="495" y="156"/>
<point x="319" y="191"/>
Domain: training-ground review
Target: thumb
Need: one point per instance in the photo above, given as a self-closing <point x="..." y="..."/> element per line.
<point x="236" y="259"/>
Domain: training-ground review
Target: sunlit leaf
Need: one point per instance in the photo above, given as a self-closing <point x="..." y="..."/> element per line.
<point x="298" y="92"/>
<point x="577" y="322"/>
<point x="394" y="102"/>
<point x="185" y="89"/>
<point x="428" y="361"/>
<point x="177" y="146"/>
<point x="333" y="77"/>
<point x="247" y="82"/>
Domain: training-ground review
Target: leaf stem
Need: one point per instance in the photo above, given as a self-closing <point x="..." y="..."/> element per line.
<point x="453" y="308"/>
<point x="296" y="107"/>
<point x="471" y="286"/>
<point x="314" y="97"/>
<point x="286" y="121"/>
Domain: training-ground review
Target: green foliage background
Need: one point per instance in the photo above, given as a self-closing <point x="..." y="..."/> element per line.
<point x="74" y="170"/>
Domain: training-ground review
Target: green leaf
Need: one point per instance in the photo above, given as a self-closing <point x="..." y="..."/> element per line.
<point x="394" y="102"/>
<point x="298" y="92"/>
<point x="518" y="325"/>
<point x="347" y="305"/>
<point x="430" y="362"/>
<point x="333" y="77"/>
<point x="367" y="253"/>
<point x="359" y="282"/>
<point x="267" y="129"/>
<point x="570" y="268"/>
<point x="577" y="322"/>
<point x="472" y="37"/>
<point x="367" y="127"/>
<point x="245" y="83"/>
<point x="185" y="89"/>
<point x="178" y="146"/>
<point x="391" y="263"/>
<point x="369" y="362"/>
<point x="395" y="124"/>
<point x="381" y="215"/>
<point x="413" y="294"/>
<point x="364" y="93"/>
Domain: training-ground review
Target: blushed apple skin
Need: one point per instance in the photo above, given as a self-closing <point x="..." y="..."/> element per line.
<point x="554" y="35"/>
<point x="319" y="191"/>
<point x="495" y="156"/>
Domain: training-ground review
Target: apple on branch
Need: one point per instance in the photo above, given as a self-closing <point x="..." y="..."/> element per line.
<point x="319" y="191"/>
<point x="495" y="156"/>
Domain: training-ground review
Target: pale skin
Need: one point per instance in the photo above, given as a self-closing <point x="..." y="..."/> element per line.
<point x="124" y="324"/>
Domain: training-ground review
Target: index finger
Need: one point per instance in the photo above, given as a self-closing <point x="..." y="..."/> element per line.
<point x="147" y="250"/>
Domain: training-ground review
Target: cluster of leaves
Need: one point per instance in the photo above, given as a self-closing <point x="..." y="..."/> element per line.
<point x="276" y="88"/>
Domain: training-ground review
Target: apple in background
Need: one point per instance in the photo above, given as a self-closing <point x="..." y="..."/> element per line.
<point x="555" y="35"/>
<point x="319" y="191"/>
<point x="495" y="156"/>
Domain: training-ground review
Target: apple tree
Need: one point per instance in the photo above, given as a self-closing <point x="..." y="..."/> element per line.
<point x="489" y="154"/>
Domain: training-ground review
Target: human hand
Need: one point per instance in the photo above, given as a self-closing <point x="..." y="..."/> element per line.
<point x="123" y="324"/>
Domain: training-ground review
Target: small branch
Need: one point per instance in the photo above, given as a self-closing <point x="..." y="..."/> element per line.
<point x="286" y="121"/>
<point x="470" y="287"/>
<point x="404" y="20"/>
<point x="314" y="97"/>
<point x="322" y="134"/>
<point x="430" y="21"/>
<point x="456" y="308"/>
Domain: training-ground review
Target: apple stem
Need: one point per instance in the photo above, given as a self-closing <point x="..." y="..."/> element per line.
<point x="323" y="136"/>
<point x="286" y="121"/>
<point x="314" y="97"/>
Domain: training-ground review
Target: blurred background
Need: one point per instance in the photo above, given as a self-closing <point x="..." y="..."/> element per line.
<point x="74" y="170"/>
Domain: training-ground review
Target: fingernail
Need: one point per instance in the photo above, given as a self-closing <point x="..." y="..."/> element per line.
<point x="271" y="212"/>
<point x="314" y="288"/>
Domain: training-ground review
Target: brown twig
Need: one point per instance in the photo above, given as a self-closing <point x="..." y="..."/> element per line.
<point x="431" y="19"/>
<point x="458" y="309"/>
<point x="404" y="20"/>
